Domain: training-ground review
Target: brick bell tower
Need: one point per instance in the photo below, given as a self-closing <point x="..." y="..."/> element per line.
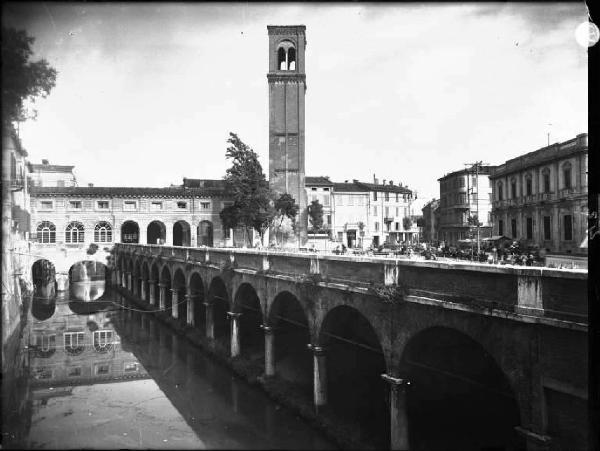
<point x="287" y="86"/>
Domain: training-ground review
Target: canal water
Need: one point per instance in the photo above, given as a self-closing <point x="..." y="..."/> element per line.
<point x="101" y="374"/>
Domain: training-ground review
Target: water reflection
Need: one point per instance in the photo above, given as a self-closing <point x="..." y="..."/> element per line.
<point x="87" y="291"/>
<point x="100" y="375"/>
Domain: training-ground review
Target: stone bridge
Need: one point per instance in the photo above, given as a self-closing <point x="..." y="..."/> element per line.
<point x="478" y="355"/>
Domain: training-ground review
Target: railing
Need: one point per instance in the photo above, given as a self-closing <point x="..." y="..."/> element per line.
<point x="530" y="291"/>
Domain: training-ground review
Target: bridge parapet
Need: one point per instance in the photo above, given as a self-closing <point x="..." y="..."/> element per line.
<point x="531" y="291"/>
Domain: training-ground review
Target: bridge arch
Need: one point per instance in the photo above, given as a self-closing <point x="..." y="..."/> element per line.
<point x="179" y="287"/>
<point x="182" y="233"/>
<point x="219" y="299"/>
<point x="458" y="396"/>
<point x="251" y="335"/>
<point x="130" y="232"/>
<point x="196" y="289"/>
<point x="165" y="288"/>
<point x="355" y="361"/>
<point x="292" y="358"/>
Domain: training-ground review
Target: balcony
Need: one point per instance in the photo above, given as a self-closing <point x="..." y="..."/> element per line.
<point x="17" y="183"/>
<point x="545" y="196"/>
<point x="388" y="219"/>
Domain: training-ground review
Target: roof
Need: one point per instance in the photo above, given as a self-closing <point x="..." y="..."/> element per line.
<point x="203" y="183"/>
<point x="317" y="181"/>
<point x="543" y="155"/>
<point x="348" y="187"/>
<point x="385" y="188"/>
<point x="98" y="191"/>
<point x="51" y="168"/>
<point x="483" y="170"/>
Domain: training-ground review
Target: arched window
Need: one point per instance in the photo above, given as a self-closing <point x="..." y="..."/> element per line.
<point x="500" y="193"/>
<point x="513" y="188"/>
<point x="103" y="341"/>
<point x="74" y="233"/>
<point x="528" y="185"/>
<point x="46" y="232"/>
<point x="546" y="180"/>
<point x="286" y="56"/>
<point x="566" y="168"/>
<point x="281" y="59"/>
<point x="103" y="232"/>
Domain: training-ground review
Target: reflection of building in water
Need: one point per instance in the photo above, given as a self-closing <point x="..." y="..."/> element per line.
<point x="70" y="349"/>
<point x="87" y="291"/>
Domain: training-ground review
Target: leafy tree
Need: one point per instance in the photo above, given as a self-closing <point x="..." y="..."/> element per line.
<point x="22" y="80"/>
<point x="315" y="215"/>
<point x="245" y="182"/>
<point x="286" y="208"/>
<point x="406" y="223"/>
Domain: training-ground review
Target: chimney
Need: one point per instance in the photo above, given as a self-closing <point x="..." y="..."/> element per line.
<point x="384" y="181"/>
<point x="45" y="161"/>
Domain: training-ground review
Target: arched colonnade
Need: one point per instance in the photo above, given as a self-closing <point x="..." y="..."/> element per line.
<point x="354" y="355"/>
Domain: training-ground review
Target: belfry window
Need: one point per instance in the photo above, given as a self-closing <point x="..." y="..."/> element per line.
<point x="286" y="56"/>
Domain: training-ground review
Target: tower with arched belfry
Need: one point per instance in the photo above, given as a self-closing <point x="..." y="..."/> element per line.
<point x="287" y="86"/>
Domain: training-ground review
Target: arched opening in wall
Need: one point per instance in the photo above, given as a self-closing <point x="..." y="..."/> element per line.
<point x="197" y="292"/>
<point x="181" y="234"/>
<point x="293" y="359"/>
<point x="355" y="362"/>
<point x="145" y="279"/>
<point x="291" y="58"/>
<point x="179" y="286"/>
<point x="130" y="232"/>
<point x="205" y="234"/>
<point x="281" y="60"/>
<point x="251" y="335"/>
<point x="165" y="280"/>
<point x="43" y="276"/>
<point x="87" y="280"/>
<point x="217" y="294"/>
<point x="156" y="233"/>
<point x="458" y="397"/>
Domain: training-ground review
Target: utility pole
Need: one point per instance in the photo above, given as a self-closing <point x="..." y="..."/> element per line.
<point x="476" y="165"/>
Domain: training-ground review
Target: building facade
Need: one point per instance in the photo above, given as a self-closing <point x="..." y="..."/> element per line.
<point x="181" y="216"/>
<point x="321" y="189"/>
<point x="287" y="87"/>
<point x="430" y="221"/>
<point x="464" y="196"/>
<point x="540" y="198"/>
<point x="47" y="174"/>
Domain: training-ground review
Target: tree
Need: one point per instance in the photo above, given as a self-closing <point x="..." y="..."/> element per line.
<point x="406" y="223"/>
<point x="22" y="80"/>
<point x="245" y="182"/>
<point x="315" y="215"/>
<point x="286" y="208"/>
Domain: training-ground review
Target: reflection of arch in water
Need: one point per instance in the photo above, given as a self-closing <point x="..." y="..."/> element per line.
<point x="88" y="308"/>
<point x="87" y="280"/>
<point x="43" y="275"/>
<point x="43" y="309"/>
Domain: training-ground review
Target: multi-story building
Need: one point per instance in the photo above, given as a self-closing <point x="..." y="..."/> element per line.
<point x="321" y="189"/>
<point x="187" y="215"/>
<point x="430" y="221"/>
<point x="47" y="174"/>
<point x="464" y="196"/>
<point x="540" y="198"/>
<point x="368" y="214"/>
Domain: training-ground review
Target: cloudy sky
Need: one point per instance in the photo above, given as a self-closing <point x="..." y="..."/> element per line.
<point x="147" y="94"/>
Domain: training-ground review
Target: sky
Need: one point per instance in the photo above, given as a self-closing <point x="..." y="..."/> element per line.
<point x="147" y="93"/>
